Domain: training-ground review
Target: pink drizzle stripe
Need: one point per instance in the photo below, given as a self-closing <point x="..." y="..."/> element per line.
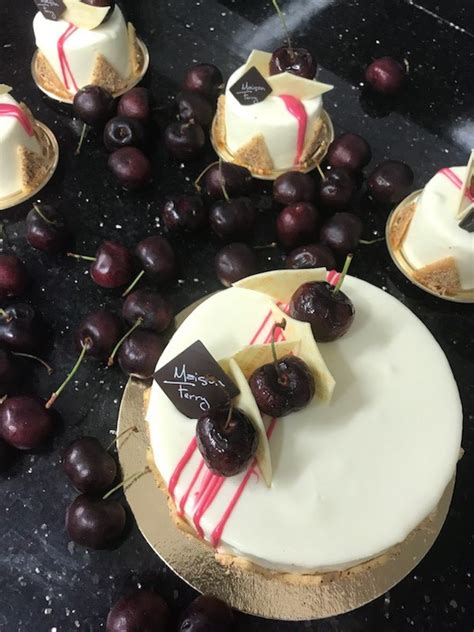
<point x="7" y="109"/>
<point x="296" y="108"/>
<point x="185" y="497"/>
<point x="458" y="183"/>
<point x="63" y="61"/>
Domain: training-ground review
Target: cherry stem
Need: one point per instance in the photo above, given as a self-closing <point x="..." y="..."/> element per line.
<point x="285" y="27"/>
<point x="347" y="263"/>
<point x="272" y="244"/>
<point x="33" y="357"/>
<point x="221" y="178"/>
<point x="83" y="257"/>
<point x="202" y="174"/>
<point x="137" y="324"/>
<point x="85" y="129"/>
<point x="321" y="172"/>
<point x="120" y="435"/>
<point x="133" y="283"/>
<point x="280" y="325"/>
<point x="371" y="241"/>
<point x="38" y="210"/>
<point x="86" y="345"/>
<point x="3" y="314"/>
<point x="130" y="479"/>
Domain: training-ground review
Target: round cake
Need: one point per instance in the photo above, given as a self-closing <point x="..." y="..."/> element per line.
<point x="353" y="476"/>
<point x="281" y="131"/>
<point x="440" y="250"/>
<point x="71" y="57"/>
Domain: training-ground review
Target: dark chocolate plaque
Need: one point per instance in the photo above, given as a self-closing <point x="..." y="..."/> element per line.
<point x="195" y="382"/>
<point x="251" y="88"/>
<point x="51" y="9"/>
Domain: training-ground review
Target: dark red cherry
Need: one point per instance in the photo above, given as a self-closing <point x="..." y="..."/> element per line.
<point x="136" y="104"/>
<point x="298" y="61"/>
<point x="123" y="131"/>
<point x="25" y="423"/>
<point x="293" y="187"/>
<point x="95" y="523"/>
<point x="193" y="106"/>
<point x="6" y="455"/>
<point x="390" y="181"/>
<point x="329" y="313"/>
<point x="237" y="180"/>
<point x="157" y="258"/>
<point x="204" y="78"/>
<point x="233" y="219"/>
<point x="349" y="151"/>
<point x="140" y="611"/>
<point x="227" y="440"/>
<point x="46" y="229"/>
<point x="297" y="224"/>
<point x="113" y="265"/>
<point x="154" y="310"/>
<point x="234" y="262"/>
<point x="131" y="167"/>
<point x="93" y="105"/>
<point x="341" y="233"/>
<point x="9" y="372"/>
<point x="311" y="256"/>
<point x="19" y="328"/>
<point x="337" y="189"/>
<point x="89" y="466"/>
<point x="184" y="212"/>
<point x="385" y="75"/>
<point x="184" y="140"/>
<point x="99" y="331"/>
<point x="13" y="276"/>
<point x="207" y="614"/>
<point x="139" y="354"/>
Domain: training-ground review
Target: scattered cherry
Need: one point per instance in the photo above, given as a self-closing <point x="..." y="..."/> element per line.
<point x="25" y="423"/>
<point x="236" y="180"/>
<point x="135" y="104"/>
<point x="184" y="140"/>
<point x="341" y="233"/>
<point x="234" y="262"/>
<point x="157" y="258"/>
<point x="204" y="78"/>
<point x="13" y="276"/>
<point x="18" y="328"/>
<point x="337" y="189"/>
<point x="293" y="187"/>
<point x="184" y="212"/>
<point x="123" y="131"/>
<point x="326" y="308"/>
<point x="311" y="256"/>
<point x="112" y="265"/>
<point x="193" y="106"/>
<point x="297" y="61"/>
<point x="390" y="181"/>
<point x="139" y="354"/>
<point x="226" y="439"/>
<point x="140" y="611"/>
<point x="350" y="151"/>
<point x="89" y="466"/>
<point x="297" y="224"/>
<point x="93" y="105"/>
<point x="46" y="229"/>
<point x="385" y="75"/>
<point x="207" y="614"/>
<point x="233" y="219"/>
<point x="155" y="312"/>
<point x="95" y="523"/>
<point x="131" y="167"/>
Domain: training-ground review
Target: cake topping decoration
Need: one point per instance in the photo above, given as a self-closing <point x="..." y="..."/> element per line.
<point x="195" y="382"/>
<point x="4" y="89"/>
<point x="85" y="16"/>
<point x="51" y="9"/>
<point x="467" y="190"/>
<point x="467" y="223"/>
<point x="251" y="87"/>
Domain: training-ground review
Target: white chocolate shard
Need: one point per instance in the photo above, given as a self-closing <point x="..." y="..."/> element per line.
<point x="281" y="284"/>
<point x="299" y="87"/>
<point x="84" y="16"/>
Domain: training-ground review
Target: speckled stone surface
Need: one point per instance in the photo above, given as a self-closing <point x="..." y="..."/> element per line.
<point x="47" y="584"/>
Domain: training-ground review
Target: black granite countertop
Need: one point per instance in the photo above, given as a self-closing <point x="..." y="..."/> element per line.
<point x="48" y="584"/>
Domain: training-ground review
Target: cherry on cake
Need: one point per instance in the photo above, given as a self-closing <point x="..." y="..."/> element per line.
<point x="345" y="478"/>
<point x="85" y="45"/>
<point x="270" y="122"/>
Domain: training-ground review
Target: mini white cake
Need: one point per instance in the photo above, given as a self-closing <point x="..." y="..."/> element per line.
<point x="434" y="243"/>
<point x="73" y="57"/>
<point x="278" y="133"/>
<point x="351" y="478"/>
<point x="20" y="150"/>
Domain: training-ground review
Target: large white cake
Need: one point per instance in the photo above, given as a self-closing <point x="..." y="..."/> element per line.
<point x="351" y="478"/>
<point x="440" y="251"/>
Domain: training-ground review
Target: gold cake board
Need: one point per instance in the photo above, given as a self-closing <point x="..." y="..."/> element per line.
<point x="248" y="590"/>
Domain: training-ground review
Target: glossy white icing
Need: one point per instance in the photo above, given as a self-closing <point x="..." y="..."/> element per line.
<point x="351" y="478"/>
